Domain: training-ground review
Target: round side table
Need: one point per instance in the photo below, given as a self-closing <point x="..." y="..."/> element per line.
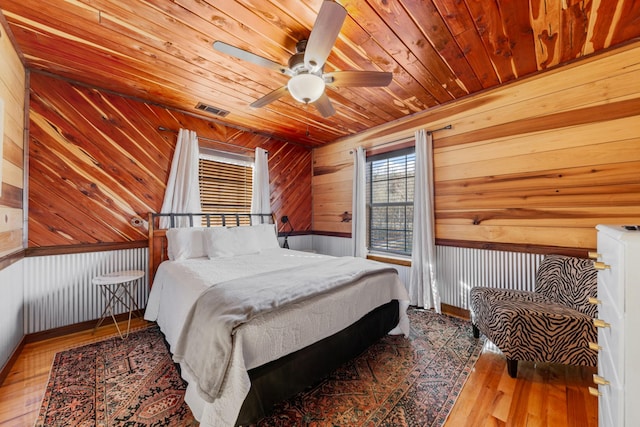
<point x="118" y="287"/>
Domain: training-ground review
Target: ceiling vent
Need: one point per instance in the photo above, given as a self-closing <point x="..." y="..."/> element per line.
<point x="213" y="110"/>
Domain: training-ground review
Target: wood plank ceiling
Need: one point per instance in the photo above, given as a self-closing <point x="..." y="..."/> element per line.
<point x="437" y="50"/>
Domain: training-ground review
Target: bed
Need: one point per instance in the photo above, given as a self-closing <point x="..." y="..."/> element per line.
<point x="250" y="323"/>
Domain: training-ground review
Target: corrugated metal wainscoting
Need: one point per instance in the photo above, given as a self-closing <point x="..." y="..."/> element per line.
<point x="58" y="290"/>
<point x="460" y="269"/>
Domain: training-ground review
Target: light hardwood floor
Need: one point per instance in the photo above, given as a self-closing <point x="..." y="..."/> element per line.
<point x="543" y="395"/>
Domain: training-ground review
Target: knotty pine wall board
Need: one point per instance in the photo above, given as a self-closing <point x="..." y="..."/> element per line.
<point x="97" y="160"/>
<point x="12" y="91"/>
<point x="538" y="162"/>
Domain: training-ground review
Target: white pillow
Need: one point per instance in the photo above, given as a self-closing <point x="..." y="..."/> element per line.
<point x="227" y="242"/>
<point x="223" y="242"/>
<point x="266" y="236"/>
<point x="185" y="243"/>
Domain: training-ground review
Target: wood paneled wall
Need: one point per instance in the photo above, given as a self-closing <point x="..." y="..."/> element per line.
<point x="97" y="160"/>
<point x="538" y="162"/>
<point x="12" y="92"/>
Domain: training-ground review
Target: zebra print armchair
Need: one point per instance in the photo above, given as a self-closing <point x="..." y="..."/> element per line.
<point x="553" y="324"/>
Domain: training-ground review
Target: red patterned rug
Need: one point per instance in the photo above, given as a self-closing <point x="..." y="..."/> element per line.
<point x="396" y="382"/>
<point x="116" y="382"/>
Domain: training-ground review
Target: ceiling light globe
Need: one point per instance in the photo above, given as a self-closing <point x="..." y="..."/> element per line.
<point x="305" y="87"/>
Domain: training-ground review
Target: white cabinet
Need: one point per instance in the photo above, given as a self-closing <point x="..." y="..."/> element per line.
<point x="618" y="379"/>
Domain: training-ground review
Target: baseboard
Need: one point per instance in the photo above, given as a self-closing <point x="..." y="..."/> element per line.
<point x="76" y="327"/>
<point x="454" y="311"/>
<point x="14" y="357"/>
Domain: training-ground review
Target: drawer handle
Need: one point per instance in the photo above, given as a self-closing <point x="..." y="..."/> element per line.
<point x="594" y="346"/>
<point x="599" y="380"/>
<point x="599" y="323"/>
<point x="594" y="255"/>
<point x="594" y="301"/>
<point x="599" y="265"/>
<point x="594" y="392"/>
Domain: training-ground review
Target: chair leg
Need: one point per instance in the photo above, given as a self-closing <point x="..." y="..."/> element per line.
<point x="512" y="368"/>
<point x="476" y="331"/>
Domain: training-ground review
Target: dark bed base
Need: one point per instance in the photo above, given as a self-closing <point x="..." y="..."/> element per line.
<point x="283" y="378"/>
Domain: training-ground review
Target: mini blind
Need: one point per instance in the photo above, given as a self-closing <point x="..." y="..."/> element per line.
<point x="225" y="186"/>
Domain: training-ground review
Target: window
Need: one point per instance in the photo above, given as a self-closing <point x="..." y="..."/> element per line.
<point x="225" y="182"/>
<point x="390" y="184"/>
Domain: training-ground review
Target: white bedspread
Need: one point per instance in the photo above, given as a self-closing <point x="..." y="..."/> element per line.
<point x="267" y="337"/>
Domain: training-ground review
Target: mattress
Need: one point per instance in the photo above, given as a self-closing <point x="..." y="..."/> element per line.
<point x="178" y="284"/>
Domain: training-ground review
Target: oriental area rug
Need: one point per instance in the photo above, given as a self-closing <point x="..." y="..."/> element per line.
<point x="396" y="382"/>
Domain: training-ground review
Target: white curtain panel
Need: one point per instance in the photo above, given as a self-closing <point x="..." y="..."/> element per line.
<point x="423" y="286"/>
<point x="182" y="194"/>
<point x="260" y="193"/>
<point x="359" y="206"/>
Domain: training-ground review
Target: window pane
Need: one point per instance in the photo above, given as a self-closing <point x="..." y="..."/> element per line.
<point x="390" y="189"/>
<point x="224" y="187"/>
<point x="379" y="192"/>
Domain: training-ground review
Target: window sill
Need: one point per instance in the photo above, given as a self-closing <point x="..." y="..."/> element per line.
<point x="390" y="259"/>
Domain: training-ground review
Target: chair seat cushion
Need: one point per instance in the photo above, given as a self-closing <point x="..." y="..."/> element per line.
<point x="529" y="326"/>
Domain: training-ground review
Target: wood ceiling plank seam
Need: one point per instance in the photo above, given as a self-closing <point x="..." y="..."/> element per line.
<point x="262" y="36"/>
<point x="194" y="58"/>
<point x="406" y="30"/>
<point x="627" y="27"/>
<point x="462" y="27"/>
<point x="427" y="18"/>
<point x="403" y="85"/>
<point x="546" y="25"/>
<point x="229" y="78"/>
<point x="83" y="59"/>
<point x="517" y="26"/>
<point x="600" y="19"/>
<point x="488" y="24"/>
<point x="575" y="25"/>
<point x="400" y="79"/>
<point x="374" y="25"/>
<point x="205" y="36"/>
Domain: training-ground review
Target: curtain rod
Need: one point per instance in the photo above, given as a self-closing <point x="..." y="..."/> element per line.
<point x="217" y="141"/>
<point x="408" y="138"/>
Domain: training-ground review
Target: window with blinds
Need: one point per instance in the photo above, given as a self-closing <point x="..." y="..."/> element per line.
<point x="225" y="186"/>
<point x="390" y="185"/>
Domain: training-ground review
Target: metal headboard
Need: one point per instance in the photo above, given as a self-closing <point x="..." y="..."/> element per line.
<point x="223" y="219"/>
<point x="157" y="235"/>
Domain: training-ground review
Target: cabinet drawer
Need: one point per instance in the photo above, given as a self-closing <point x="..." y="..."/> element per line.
<point x="610" y="358"/>
<point x="610" y="279"/>
<point x="610" y="367"/>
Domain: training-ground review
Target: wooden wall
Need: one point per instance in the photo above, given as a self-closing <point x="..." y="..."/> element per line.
<point x="97" y="160"/>
<point x="12" y="92"/>
<point x="538" y="162"/>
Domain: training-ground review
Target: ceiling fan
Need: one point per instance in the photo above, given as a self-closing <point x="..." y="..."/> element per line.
<point x="306" y="66"/>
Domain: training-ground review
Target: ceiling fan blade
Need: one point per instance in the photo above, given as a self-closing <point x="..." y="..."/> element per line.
<point x="358" y="78"/>
<point x="270" y="97"/>
<point x="323" y="35"/>
<point x="323" y="104"/>
<point x="249" y="57"/>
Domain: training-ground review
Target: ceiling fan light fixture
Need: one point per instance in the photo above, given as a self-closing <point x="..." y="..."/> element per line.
<point x="305" y="87"/>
